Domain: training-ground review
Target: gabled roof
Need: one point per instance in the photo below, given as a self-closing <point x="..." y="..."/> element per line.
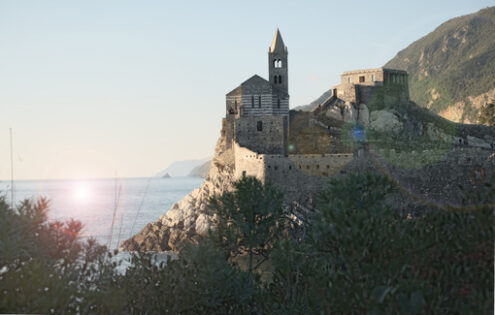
<point x="277" y="43"/>
<point x="256" y="80"/>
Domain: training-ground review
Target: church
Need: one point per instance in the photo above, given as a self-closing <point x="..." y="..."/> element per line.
<point x="257" y="111"/>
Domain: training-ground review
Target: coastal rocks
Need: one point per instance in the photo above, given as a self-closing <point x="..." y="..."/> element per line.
<point x="385" y="121"/>
<point x="190" y="218"/>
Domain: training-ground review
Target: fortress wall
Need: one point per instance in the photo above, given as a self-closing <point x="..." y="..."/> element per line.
<point x="228" y="130"/>
<point x="299" y="174"/>
<point x="271" y="138"/>
<point x="248" y="163"/>
<point x="367" y="74"/>
<point x="346" y="92"/>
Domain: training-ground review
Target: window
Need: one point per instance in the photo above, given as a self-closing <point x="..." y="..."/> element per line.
<point x="280" y="79"/>
<point x="361" y="79"/>
<point x="259" y="101"/>
<point x="349" y="79"/>
<point x="278" y="102"/>
<point x="259" y="126"/>
<point x="252" y="101"/>
<point x="275" y="78"/>
<point x="277" y="63"/>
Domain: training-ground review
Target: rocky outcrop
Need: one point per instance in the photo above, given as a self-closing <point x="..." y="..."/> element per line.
<point x="189" y="218"/>
<point x="385" y="121"/>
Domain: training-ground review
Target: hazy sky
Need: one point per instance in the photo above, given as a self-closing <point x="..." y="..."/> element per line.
<point x="91" y="88"/>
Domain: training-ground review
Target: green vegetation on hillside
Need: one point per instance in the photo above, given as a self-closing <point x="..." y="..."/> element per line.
<point x="354" y="254"/>
<point x="455" y="61"/>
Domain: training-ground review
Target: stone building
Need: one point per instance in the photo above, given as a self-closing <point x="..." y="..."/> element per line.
<point x="257" y="111"/>
<point x="257" y="126"/>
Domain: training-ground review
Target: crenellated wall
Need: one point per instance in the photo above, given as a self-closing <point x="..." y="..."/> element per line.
<point x="294" y="173"/>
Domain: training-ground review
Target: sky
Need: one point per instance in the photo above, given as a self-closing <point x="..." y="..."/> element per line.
<point x="94" y="89"/>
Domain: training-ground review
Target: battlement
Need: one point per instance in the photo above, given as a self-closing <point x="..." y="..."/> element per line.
<point x="378" y="76"/>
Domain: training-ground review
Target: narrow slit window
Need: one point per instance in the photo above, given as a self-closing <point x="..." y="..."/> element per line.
<point x="259" y="101"/>
<point x="252" y="101"/>
<point x="259" y="126"/>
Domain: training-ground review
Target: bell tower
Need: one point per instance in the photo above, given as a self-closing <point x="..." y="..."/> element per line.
<point x="277" y="63"/>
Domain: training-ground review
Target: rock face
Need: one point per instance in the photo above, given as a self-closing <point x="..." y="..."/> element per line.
<point x="451" y="70"/>
<point x="190" y="217"/>
<point x="382" y="120"/>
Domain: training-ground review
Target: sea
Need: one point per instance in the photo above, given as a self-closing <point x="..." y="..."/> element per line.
<point x="111" y="210"/>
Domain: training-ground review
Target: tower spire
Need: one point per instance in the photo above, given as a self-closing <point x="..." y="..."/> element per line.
<point x="277" y="43"/>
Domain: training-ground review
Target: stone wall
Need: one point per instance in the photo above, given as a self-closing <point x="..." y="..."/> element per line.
<point x="295" y="174"/>
<point x="272" y="138"/>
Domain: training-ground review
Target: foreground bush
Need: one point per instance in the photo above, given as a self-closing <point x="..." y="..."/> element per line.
<point x="362" y="255"/>
<point x="357" y="254"/>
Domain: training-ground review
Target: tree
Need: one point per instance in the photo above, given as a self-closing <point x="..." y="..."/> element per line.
<point x="248" y="219"/>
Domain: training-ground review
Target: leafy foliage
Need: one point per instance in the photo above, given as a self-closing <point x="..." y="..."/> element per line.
<point x="249" y="219"/>
<point x="357" y="254"/>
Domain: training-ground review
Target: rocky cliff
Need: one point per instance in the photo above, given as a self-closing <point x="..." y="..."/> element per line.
<point x="190" y="217"/>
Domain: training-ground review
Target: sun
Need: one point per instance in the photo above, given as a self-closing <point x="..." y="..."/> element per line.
<point x="82" y="192"/>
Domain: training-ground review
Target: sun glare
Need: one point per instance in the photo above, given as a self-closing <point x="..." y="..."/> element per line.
<point x="82" y="192"/>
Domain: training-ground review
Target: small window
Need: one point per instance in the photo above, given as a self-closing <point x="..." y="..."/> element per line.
<point x="275" y="64"/>
<point x="243" y="173"/>
<point x="252" y="101"/>
<point x="279" y="79"/>
<point x="278" y="102"/>
<point x="259" y="101"/>
<point x="290" y="167"/>
<point x="361" y="79"/>
<point x="259" y="126"/>
<point x="275" y="78"/>
<point x="373" y="77"/>
<point x="349" y="79"/>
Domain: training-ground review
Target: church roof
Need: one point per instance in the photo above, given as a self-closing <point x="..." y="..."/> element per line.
<point x="277" y="42"/>
<point x="259" y="82"/>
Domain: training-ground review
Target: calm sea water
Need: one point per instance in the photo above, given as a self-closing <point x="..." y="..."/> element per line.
<point x="137" y="201"/>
